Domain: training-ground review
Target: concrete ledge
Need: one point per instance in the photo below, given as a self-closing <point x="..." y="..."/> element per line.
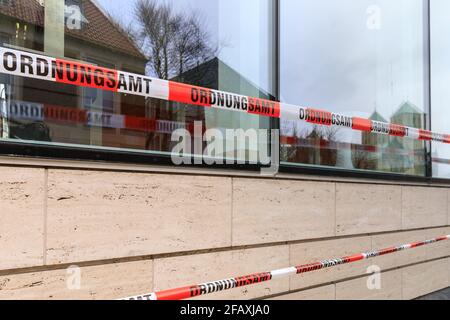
<point x="136" y="168"/>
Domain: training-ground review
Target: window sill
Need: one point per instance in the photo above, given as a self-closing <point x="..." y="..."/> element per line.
<point x="306" y="175"/>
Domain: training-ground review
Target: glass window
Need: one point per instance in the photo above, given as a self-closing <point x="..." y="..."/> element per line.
<point x="440" y="78"/>
<point x="219" y="44"/>
<point x="359" y="58"/>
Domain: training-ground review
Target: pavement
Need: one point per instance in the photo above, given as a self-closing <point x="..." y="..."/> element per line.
<point x="439" y="295"/>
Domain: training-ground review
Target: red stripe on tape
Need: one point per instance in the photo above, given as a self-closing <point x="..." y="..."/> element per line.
<point x="425" y="135"/>
<point x="188" y="94"/>
<point x="86" y="75"/>
<point x="417" y="244"/>
<point x="317" y="116"/>
<point x="397" y="130"/>
<point x="263" y="107"/>
<point x="354" y="258"/>
<point x="178" y="294"/>
<point x="288" y="140"/>
<point x="140" y="124"/>
<point x="446" y="138"/>
<point x="252" y="279"/>
<point x="309" y="267"/>
<point x="362" y="124"/>
<point x="388" y="251"/>
<point x="63" y="114"/>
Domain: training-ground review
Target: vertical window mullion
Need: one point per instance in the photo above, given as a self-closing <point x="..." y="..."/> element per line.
<point x="275" y="123"/>
<point x="427" y="84"/>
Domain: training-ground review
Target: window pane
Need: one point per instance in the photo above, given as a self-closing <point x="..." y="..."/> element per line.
<point x="440" y="79"/>
<point x="209" y="43"/>
<point x="359" y="58"/>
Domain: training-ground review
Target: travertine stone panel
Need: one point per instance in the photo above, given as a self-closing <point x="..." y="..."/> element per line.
<point x="448" y="207"/>
<point x="424" y="207"/>
<point x="21" y="217"/>
<point x="366" y="288"/>
<point x="439" y="249"/>
<point x="273" y="210"/>
<point x="112" y="281"/>
<point x="103" y="215"/>
<point x="365" y="208"/>
<point x="425" y="278"/>
<point x="320" y="293"/>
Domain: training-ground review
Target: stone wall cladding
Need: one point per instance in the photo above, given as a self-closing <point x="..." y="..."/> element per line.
<point x="131" y="233"/>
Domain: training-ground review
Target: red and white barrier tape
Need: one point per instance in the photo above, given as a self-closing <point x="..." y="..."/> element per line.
<point x="30" y="65"/>
<point x="29" y="111"/>
<point x="231" y="283"/>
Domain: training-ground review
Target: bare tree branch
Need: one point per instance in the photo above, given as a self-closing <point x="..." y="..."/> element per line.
<point x="175" y="42"/>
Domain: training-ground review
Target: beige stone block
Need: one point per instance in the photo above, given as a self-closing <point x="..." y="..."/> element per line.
<point x="439" y="249"/>
<point x="112" y="281"/>
<point x="21" y="217"/>
<point x="424" y="207"/>
<point x="425" y="278"/>
<point x="365" y="208"/>
<point x="102" y="215"/>
<point x="400" y="258"/>
<point x="410" y="256"/>
<point x="182" y="271"/>
<point x="365" y="288"/>
<point x="274" y="211"/>
<point x="320" y="293"/>
<point x="311" y="252"/>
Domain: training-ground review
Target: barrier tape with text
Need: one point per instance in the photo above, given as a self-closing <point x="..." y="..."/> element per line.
<point x="236" y="282"/>
<point x="30" y="65"/>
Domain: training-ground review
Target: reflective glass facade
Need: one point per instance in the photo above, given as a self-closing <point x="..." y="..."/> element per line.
<point x="379" y="59"/>
<point x="205" y="43"/>
<point x="359" y="58"/>
<point x="440" y="78"/>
